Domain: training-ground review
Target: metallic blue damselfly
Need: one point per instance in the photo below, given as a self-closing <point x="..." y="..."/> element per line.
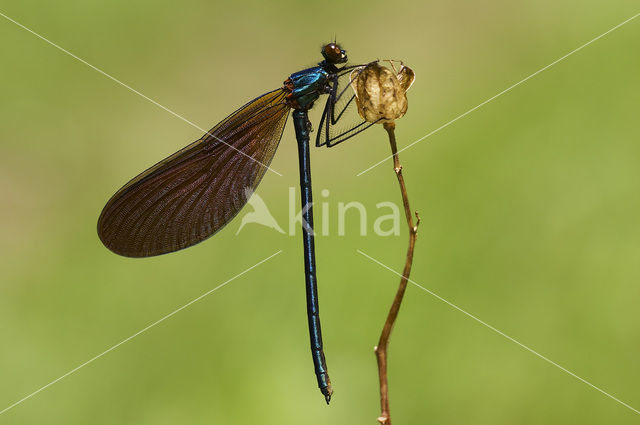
<point x="187" y="197"/>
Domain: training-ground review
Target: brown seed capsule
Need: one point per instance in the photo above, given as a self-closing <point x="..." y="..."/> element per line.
<point x="380" y="93"/>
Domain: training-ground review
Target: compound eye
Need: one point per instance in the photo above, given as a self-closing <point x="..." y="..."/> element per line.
<point x="330" y="50"/>
<point x="333" y="53"/>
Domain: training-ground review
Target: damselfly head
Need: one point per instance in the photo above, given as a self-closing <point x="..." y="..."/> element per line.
<point x="334" y="54"/>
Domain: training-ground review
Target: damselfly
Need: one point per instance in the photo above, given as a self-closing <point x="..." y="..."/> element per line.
<point x="189" y="196"/>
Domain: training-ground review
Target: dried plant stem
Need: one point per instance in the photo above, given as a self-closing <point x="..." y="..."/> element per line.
<point x="383" y="343"/>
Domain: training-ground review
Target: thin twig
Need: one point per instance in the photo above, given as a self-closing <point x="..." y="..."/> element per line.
<point x="383" y="343"/>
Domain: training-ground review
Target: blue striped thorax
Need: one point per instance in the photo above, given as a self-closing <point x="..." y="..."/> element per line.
<point x="305" y="87"/>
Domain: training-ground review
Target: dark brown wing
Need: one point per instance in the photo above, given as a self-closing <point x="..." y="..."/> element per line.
<point x="192" y="194"/>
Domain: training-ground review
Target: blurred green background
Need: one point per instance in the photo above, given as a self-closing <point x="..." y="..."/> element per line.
<point x="529" y="208"/>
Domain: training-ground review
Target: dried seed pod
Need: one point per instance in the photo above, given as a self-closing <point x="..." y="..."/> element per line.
<point x="380" y="93"/>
